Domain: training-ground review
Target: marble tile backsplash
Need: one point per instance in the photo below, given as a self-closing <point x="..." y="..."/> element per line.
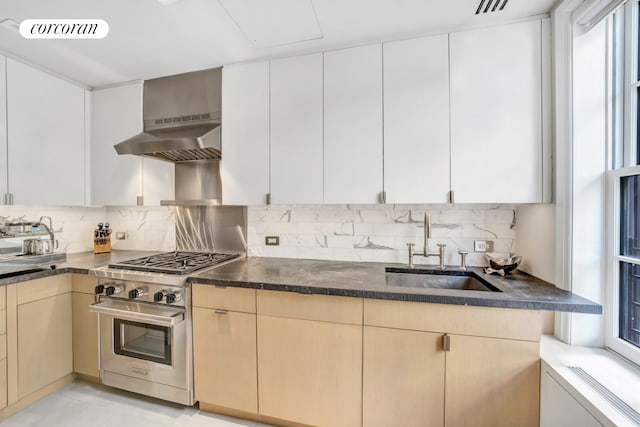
<point x="147" y="227"/>
<point x="379" y="232"/>
<point x="336" y="232"/>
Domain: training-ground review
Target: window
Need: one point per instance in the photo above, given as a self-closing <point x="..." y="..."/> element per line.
<point x="623" y="314"/>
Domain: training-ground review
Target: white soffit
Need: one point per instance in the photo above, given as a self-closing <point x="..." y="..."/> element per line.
<point x="270" y="23"/>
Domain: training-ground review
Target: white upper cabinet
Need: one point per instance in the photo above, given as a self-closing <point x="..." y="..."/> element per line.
<point x="245" y="134"/>
<point x="296" y="130"/>
<point x="118" y="180"/>
<point x="353" y="125"/>
<point x="158" y="181"/>
<point x="46" y="138"/>
<point x="416" y="120"/>
<point x="496" y="114"/>
<point x="3" y="131"/>
<point x="117" y="115"/>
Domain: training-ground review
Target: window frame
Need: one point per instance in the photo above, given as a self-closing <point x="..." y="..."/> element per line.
<point x="612" y="316"/>
<point x="624" y="145"/>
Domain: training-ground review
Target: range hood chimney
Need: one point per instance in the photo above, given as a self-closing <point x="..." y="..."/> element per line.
<point x="182" y="119"/>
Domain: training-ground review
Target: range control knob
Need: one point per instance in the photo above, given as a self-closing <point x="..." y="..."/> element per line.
<point x="158" y="296"/>
<point x="112" y="290"/>
<point x="99" y="289"/>
<point x="136" y="293"/>
<point x="174" y="297"/>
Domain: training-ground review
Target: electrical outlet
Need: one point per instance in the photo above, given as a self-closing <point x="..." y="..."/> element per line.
<point x="272" y="240"/>
<point x="121" y="235"/>
<point x="483" y="245"/>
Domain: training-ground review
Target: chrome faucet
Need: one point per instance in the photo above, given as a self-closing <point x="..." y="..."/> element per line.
<point x="49" y="230"/>
<point x="425" y="251"/>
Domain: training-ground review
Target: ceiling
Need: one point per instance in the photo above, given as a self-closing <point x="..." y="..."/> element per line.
<point x="152" y="38"/>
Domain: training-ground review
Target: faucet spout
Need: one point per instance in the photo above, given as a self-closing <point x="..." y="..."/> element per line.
<point x="425" y="251"/>
<point x="49" y="230"/>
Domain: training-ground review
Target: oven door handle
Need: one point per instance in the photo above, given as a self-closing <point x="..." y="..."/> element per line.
<point x="110" y="307"/>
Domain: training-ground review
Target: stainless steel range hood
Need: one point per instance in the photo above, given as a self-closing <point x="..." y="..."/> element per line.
<point x="182" y="116"/>
<point x="182" y="119"/>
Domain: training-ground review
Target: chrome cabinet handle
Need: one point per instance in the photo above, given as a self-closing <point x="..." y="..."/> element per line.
<point x="220" y="311"/>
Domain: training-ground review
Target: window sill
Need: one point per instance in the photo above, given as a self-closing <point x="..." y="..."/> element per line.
<point x="618" y="375"/>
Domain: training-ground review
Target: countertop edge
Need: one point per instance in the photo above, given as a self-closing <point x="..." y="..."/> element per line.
<point x="397" y="296"/>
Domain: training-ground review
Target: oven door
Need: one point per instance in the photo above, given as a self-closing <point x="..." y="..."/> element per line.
<point x="144" y="341"/>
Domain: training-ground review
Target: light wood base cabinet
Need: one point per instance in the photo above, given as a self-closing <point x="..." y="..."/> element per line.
<point x="488" y="375"/>
<point x="403" y="380"/>
<point x="310" y="358"/>
<point x="224" y="344"/>
<point x="224" y="348"/>
<point x="403" y="383"/>
<point x="492" y="382"/>
<point x="85" y="327"/>
<point x="44" y="343"/>
<point x="310" y="372"/>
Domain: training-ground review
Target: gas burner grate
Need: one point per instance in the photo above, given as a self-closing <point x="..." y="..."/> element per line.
<point x="177" y="262"/>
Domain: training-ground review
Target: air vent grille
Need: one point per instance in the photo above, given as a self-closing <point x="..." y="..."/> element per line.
<point x="187" y="155"/>
<point x="190" y="119"/>
<point x="621" y="405"/>
<point x="486" y="6"/>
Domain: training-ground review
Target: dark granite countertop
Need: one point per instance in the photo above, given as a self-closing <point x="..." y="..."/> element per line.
<point x="368" y="280"/>
<point x="356" y="279"/>
<point x="76" y="263"/>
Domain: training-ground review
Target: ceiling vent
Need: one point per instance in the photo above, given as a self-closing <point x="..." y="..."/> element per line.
<point x="486" y="6"/>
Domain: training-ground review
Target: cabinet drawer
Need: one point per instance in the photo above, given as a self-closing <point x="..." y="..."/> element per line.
<point x="234" y="299"/>
<point x="323" y="308"/>
<point x="84" y="283"/>
<point x="46" y="287"/>
<point x="454" y="319"/>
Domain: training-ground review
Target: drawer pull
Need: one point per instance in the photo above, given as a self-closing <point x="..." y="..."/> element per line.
<point x="446" y="342"/>
<point x="220" y="311"/>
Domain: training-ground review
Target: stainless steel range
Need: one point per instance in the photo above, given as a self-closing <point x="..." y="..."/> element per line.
<point x="144" y="308"/>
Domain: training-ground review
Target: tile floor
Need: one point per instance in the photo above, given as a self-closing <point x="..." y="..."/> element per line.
<point x="83" y="404"/>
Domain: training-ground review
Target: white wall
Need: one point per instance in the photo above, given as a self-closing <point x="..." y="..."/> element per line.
<point x="536" y="240"/>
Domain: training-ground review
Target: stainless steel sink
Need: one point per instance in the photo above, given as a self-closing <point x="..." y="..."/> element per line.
<point x="458" y="280"/>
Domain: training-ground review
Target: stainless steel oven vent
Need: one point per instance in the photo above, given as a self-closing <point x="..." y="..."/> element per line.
<point x="187" y="155"/>
<point x="487" y="6"/>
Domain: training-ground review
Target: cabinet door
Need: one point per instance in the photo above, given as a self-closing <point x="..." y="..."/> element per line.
<point x="224" y="345"/>
<point x="310" y="372"/>
<point x="416" y="120"/>
<point x="496" y="114"/>
<point x="3" y="129"/>
<point x="158" y="181"/>
<point x="116" y="180"/>
<point x="85" y="336"/>
<point x="492" y="382"/>
<point x="46" y="125"/>
<point x="244" y="167"/>
<point x="353" y="125"/>
<point x="403" y="378"/>
<point x="44" y="342"/>
<point x="296" y="130"/>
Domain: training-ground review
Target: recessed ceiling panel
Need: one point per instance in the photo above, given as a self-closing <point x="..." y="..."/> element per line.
<point x="270" y="23"/>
